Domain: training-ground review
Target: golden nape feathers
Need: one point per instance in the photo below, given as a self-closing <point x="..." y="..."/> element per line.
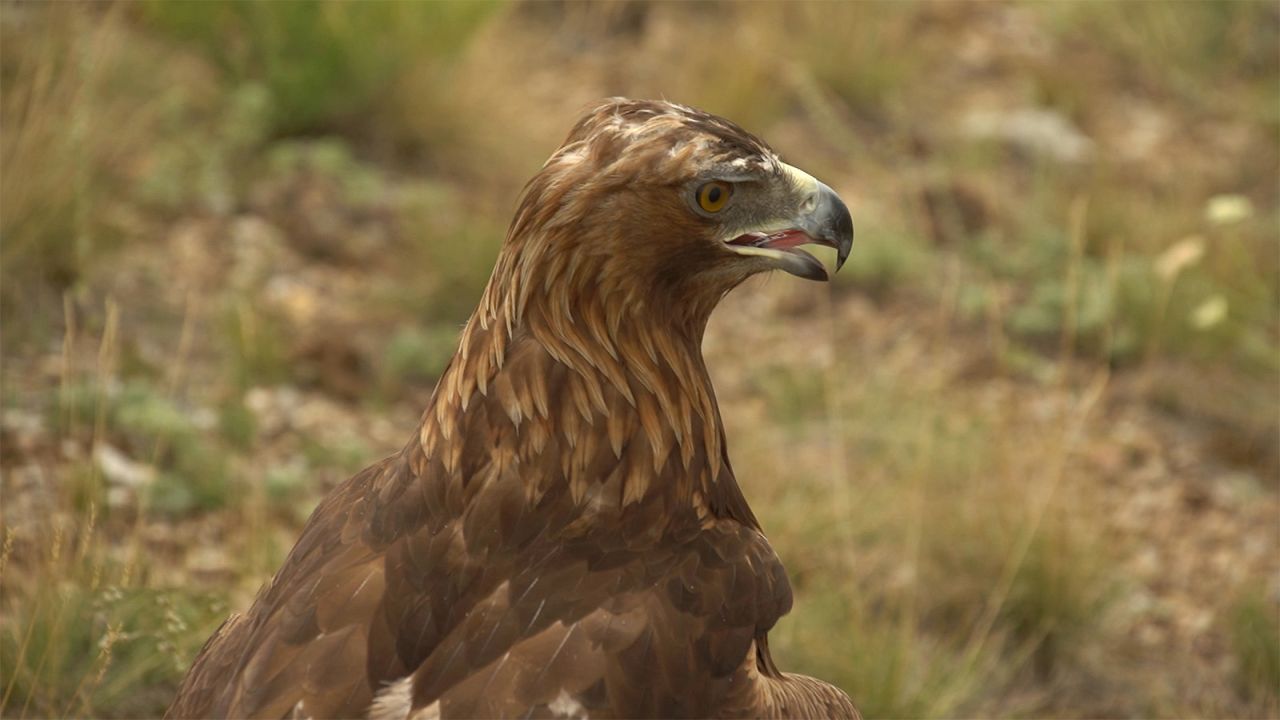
<point x="563" y="534"/>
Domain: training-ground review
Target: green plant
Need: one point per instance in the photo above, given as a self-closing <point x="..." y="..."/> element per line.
<point x="344" y="456"/>
<point x="1255" y="640"/>
<point x="416" y="356"/>
<point x="85" y="636"/>
<point x="1058" y="596"/>
<point x="458" y="284"/>
<point x="76" y="131"/>
<point x="287" y="489"/>
<point x="850" y="52"/>
<point x="795" y="397"/>
<point x="193" y="471"/>
<point x="254" y="343"/>
<point x="237" y="423"/>
<point x="888" y="663"/>
<point x="323" y="65"/>
<point x="885" y="261"/>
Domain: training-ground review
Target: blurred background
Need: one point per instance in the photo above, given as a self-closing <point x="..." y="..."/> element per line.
<point x="1021" y="457"/>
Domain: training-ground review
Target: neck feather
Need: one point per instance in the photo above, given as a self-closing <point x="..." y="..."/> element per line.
<point x="607" y="394"/>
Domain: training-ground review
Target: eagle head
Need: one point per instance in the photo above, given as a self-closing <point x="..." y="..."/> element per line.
<point x="666" y="207"/>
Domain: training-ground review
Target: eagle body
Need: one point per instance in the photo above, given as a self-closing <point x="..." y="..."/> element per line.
<point x="563" y="536"/>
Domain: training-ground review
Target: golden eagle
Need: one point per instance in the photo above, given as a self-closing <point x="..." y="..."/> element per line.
<point x="563" y="535"/>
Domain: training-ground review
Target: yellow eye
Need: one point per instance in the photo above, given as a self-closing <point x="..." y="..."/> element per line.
<point x="713" y="196"/>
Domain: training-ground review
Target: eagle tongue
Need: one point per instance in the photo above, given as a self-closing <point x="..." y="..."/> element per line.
<point x="785" y="240"/>
<point x="751" y="239"/>
<point x="781" y="240"/>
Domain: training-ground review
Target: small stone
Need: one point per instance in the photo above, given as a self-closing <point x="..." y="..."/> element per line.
<point x="1038" y="130"/>
<point x="121" y="470"/>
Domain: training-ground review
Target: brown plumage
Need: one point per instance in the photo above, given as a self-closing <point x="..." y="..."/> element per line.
<point x="563" y="536"/>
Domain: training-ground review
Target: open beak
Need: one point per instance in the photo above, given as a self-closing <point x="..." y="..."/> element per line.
<point x="823" y="219"/>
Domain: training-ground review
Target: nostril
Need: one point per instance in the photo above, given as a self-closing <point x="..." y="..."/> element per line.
<point x="810" y="203"/>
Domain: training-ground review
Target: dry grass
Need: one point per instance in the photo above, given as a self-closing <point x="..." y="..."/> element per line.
<point x="1020" y="459"/>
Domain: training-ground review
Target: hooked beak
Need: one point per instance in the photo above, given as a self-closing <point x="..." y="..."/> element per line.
<point x="823" y="219"/>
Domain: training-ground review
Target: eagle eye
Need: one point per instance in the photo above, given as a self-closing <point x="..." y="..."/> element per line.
<point x="713" y="196"/>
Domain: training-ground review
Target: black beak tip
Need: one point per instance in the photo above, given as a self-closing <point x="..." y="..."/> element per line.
<point x="833" y="223"/>
<point x="842" y="226"/>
